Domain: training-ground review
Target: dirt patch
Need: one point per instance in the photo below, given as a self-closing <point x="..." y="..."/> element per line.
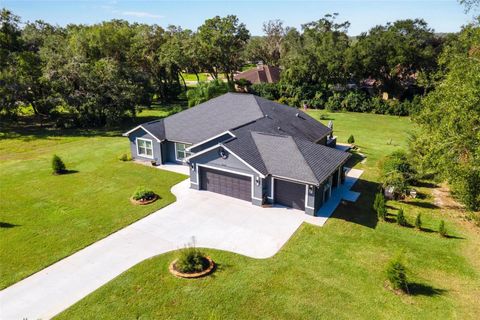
<point x="443" y="199"/>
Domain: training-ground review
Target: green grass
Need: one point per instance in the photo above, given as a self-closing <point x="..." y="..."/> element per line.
<point x="203" y="76"/>
<point x="333" y="272"/>
<point x="46" y="217"/>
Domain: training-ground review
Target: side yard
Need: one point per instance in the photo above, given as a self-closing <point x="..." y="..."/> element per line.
<point x="336" y="271"/>
<point x="45" y="217"/>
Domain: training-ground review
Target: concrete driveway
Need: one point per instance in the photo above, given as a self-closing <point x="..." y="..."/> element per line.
<point x="214" y="220"/>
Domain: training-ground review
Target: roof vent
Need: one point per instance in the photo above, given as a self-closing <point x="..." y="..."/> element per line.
<point x="297" y="114"/>
<point x="278" y="128"/>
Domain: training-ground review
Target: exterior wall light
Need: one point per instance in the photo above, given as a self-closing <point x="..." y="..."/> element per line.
<point x="257" y="181"/>
<point x="192" y="165"/>
<point x="310" y="189"/>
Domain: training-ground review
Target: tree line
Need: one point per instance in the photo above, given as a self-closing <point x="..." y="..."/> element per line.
<point x="98" y="74"/>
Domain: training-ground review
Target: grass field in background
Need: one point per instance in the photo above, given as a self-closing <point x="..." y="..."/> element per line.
<point x="332" y="272"/>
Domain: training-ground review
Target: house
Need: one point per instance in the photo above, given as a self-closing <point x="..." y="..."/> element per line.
<point x="260" y="74"/>
<point x="249" y="148"/>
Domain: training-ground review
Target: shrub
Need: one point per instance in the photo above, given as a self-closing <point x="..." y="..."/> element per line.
<point x="334" y="102"/>
<point x="401" y="220"/>
<point x="143" y="193"/>
<point x="397" y="274"/>
<point x="442" y="230"/>
<point x="124" y="157"/>
<point x="397" y="172"/>
<point x="379" y="198"/>
<point x="351" y="139"/>
<point x="205" y="91"/>
<point x="191" y="260"/>
<point x="381" y="209"/>
<point x="58" y="166"/>
<point x="418" y="222"/>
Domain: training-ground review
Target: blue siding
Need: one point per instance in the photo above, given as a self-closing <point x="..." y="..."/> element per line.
<point x="140" y="133"/>
<point x="231" y="163"/>
<point x="211" y="143"/>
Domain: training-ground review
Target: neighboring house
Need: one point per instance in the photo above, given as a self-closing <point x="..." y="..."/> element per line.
<point x="260" y="74"/>
<point x="247" y="147"/>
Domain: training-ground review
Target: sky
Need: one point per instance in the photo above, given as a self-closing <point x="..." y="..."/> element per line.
<point x="441" y="15"/>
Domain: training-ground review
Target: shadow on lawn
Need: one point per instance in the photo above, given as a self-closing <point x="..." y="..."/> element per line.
<point x="360" y="212"/>
<point x="6" y="225"/>
<point x="354" y="159"/>
<point x="421" y="289"/>
<point x="34" y="127"/>
<point x="425" y="205"/>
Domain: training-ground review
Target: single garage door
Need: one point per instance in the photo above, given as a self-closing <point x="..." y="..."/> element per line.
<point x="289" y="194"/>
<point x="226" y="183"/>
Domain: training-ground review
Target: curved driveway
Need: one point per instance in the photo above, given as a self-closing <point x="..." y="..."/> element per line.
<point x="214" y="220"/>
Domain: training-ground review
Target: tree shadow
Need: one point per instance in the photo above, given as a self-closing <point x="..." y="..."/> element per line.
<point x="421" y="289"/>
<point x="360" y="212"/>
<point x="6" y="225"/>
<point x="425" y="184"/>
<point x="449" y="236"/>
<point x="29" y="128"/>
<point x="69" y="172"/>
<point x="425" y="205"/>
<point x="354" y="159"/>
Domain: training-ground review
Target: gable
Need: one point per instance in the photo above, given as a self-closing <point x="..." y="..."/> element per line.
<point x="213" y="158"/>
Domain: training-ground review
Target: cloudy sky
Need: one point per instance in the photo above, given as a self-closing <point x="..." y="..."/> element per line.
<point x="442" y="15"/>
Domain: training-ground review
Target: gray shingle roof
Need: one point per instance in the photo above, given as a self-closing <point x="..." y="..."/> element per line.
<point x="321" y="159"/>
<point x="212" y="117"/>
<point x="271" y="137"/>
<point x="156" y="128"/>
<point x="282" y="157"/>
<point x="233" y="110"/>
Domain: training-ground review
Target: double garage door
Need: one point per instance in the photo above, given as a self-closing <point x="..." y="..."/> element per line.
<point x="286" y="193"/>
<point x="289" y="194"/>
<point x="226" y="183"/>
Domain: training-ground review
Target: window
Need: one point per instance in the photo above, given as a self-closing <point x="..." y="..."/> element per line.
<point x="180" y="152"/>
<point x="145" y="148"/>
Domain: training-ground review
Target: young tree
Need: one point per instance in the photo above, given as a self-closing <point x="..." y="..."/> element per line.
<point x="442" y="230"/>
<point x="418" y="222"/>
<point x="397" y="274"/>
<point x="351" y="139"/>
<point x="381" y="208"/>
<point x="401" y="220"/>
<point x="58" y="166"/>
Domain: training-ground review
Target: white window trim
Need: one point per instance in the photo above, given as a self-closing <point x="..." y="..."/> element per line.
<point x="140" y="127"/>
<point x="184" y="150"/>
<point x="144" y="155"/>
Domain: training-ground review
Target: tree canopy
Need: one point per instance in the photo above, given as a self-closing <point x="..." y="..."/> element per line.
<point x="449" y="143"/>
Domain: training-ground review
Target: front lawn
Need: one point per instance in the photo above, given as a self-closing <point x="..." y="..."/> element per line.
<point x="332" y="272"/>
<point x="46" y="217"/>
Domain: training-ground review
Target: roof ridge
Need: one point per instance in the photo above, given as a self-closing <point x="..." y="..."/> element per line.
<point x="311" y="173"/>
<point x="304" y="159"/>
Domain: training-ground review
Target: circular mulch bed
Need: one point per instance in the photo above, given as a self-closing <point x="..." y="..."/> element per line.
<point x="140" y="202"/>
<point x="203" y="273"/>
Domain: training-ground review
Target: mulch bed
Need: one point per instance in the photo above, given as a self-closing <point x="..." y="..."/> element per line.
<point x="203" y="273"/>
<point x="140" y="202"/>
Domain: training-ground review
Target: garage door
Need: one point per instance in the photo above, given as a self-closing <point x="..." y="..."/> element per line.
<point x="289" y="194"/>
<point x="226" y="183"/>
